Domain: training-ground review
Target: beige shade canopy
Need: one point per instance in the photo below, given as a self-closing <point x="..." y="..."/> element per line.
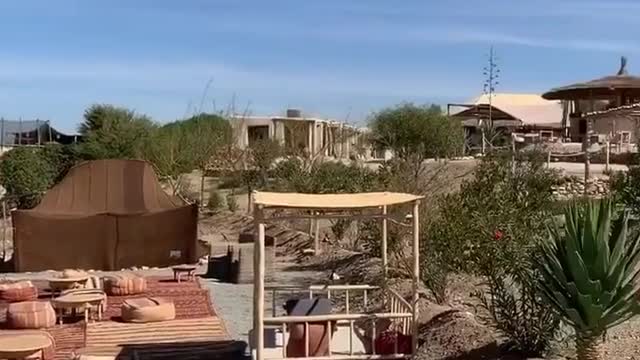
<point x="331" y="201"/>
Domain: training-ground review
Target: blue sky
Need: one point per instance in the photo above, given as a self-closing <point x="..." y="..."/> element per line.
<point x="335" y="58"/>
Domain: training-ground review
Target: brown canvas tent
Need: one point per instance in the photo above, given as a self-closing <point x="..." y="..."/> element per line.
<point x="105" y="215"/>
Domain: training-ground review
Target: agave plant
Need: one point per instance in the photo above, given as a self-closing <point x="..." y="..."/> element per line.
<point x="590" y="272"/>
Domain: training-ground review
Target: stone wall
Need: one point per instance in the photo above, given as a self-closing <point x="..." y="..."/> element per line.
<point x="575" y="187"/>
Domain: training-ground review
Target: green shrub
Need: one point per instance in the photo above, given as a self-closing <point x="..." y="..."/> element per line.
<point x="215" y="201"/>
<point x="26" y="174"/>
<point x="232" y="203"/>
<point x="491" y="228"/>
<point x="233" y="181"/>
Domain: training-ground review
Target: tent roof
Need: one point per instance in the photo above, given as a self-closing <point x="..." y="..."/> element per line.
<point x="120" y="187"/>
<point x="529" y="109"/>
<point x="331" y="201"/>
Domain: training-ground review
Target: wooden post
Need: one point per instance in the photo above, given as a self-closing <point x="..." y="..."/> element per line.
<point x="587" y="155"/>
<point x="258" y="284"/>
<point x="4" y="230"/>
<point x="416" y="274"/>
<point x="316" y="237"/>
<point x="608" y="153"/>
<point x="383" y="250"/>
<point x="549" y="159"/>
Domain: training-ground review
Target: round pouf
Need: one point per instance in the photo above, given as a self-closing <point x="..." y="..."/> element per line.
<point x="148" y="309"/>
<point x="125" y="284"/>
<point x="31" y="315"/>
<point x="18" y="291"/>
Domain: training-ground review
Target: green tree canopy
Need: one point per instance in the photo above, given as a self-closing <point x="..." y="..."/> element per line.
<point x="113" y="133"/>
<point x="411" y="130"/>
<point x="25" y="173"/>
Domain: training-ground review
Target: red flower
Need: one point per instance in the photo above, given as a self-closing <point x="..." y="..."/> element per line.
<point x="497" y="235"/>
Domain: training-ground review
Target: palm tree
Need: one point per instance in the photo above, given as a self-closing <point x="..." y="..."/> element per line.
<point x="590" y="270"/>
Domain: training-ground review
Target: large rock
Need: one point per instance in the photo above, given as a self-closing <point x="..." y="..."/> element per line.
<point x="454" y="334"/>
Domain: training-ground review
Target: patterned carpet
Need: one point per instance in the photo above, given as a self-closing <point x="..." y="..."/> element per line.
<point x="190" y="300"/>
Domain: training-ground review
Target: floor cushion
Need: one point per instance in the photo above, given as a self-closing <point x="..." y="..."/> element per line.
<point x="125" y="284"/>
<point x="31" y="315"/>
<point x="73" y="274"/>
<point x="147" y="309"/>
<point x="18" y="291"/>
<point x="319" y="338"/>
<point x="49" y="353"/>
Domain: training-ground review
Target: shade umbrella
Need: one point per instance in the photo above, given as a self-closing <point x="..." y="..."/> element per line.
<point x="607" y="86"/>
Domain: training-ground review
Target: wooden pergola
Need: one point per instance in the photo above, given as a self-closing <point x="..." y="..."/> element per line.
<point x="332" y="206"/>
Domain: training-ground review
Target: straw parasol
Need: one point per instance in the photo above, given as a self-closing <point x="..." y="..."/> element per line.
<point x="605" y="87"/>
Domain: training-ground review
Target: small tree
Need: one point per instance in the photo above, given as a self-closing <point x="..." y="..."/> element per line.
<point x="26" y="175"/>
<point x="169" y="150"/>
<point x="206" y="135"/>
<point x="113" y="133"/>
<point x="414" y="134"/>
<point x="260" y="157"/>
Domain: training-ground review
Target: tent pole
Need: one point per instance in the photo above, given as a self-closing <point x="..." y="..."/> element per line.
<point x="416" y="275"/>
<point x="385" y="261"/>
<point x="258" y="284"/>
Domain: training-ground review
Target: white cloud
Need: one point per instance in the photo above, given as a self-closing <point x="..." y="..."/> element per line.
<point x="567" y="43"/>
<point x="191" y="77"/>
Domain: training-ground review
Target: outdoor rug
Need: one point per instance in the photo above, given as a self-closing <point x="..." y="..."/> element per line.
<point x="111" y="333"/>
<point x="190" y="300"/>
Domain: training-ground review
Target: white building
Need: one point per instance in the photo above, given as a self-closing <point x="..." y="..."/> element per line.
<point x="313" y="136"/>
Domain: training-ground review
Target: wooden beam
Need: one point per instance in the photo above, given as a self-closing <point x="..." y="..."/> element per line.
<point x="385" y="261"/>
<point x="333" y="317"/>
<point x="416" y="273"/>
<point x="258" y="284"/>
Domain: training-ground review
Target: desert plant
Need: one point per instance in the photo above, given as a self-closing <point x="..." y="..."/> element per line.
<point x="215" y="201"/>
<point x="590" y="272"/>
<point x="491" y="228"/>
<point x="517" y="309"/>
<point x="232" y="203"/>
<point x="26" y="173"/>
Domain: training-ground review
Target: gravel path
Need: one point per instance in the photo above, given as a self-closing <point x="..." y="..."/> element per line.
<point x="234" y="302"/>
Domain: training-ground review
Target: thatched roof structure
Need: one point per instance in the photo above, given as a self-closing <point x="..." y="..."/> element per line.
<point x="608" y="86"/>
<point x="605" y="87"/>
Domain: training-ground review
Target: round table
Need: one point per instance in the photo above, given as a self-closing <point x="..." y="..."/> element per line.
<point x="58" y="285"/>
<point x="178" y="271"/>
<point x="83" y="301"/>
<point x="20" y="346"/>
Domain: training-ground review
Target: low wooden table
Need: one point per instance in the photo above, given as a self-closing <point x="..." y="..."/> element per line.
<point x="20" y="346"/>
<point x="82" y="301"/>
<point x="178" y="271"/>
<point x="58" y="285"/>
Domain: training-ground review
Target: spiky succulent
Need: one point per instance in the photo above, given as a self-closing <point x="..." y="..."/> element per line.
<point x="590" y="268"/>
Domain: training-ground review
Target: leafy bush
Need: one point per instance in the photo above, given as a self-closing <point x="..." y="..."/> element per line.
<point x="492" y="228"/>
<point x="215" y="201"/>
<point x="517" y="309"/>
<point x="26" y="174"/>
<point x="232" y="181"/>
<point x="626" y="188"/>
<point x="411" y="130"/>
<point x="61" y="158"/>
<point x="232" y="203"/>
<point x="114" y="133"/>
